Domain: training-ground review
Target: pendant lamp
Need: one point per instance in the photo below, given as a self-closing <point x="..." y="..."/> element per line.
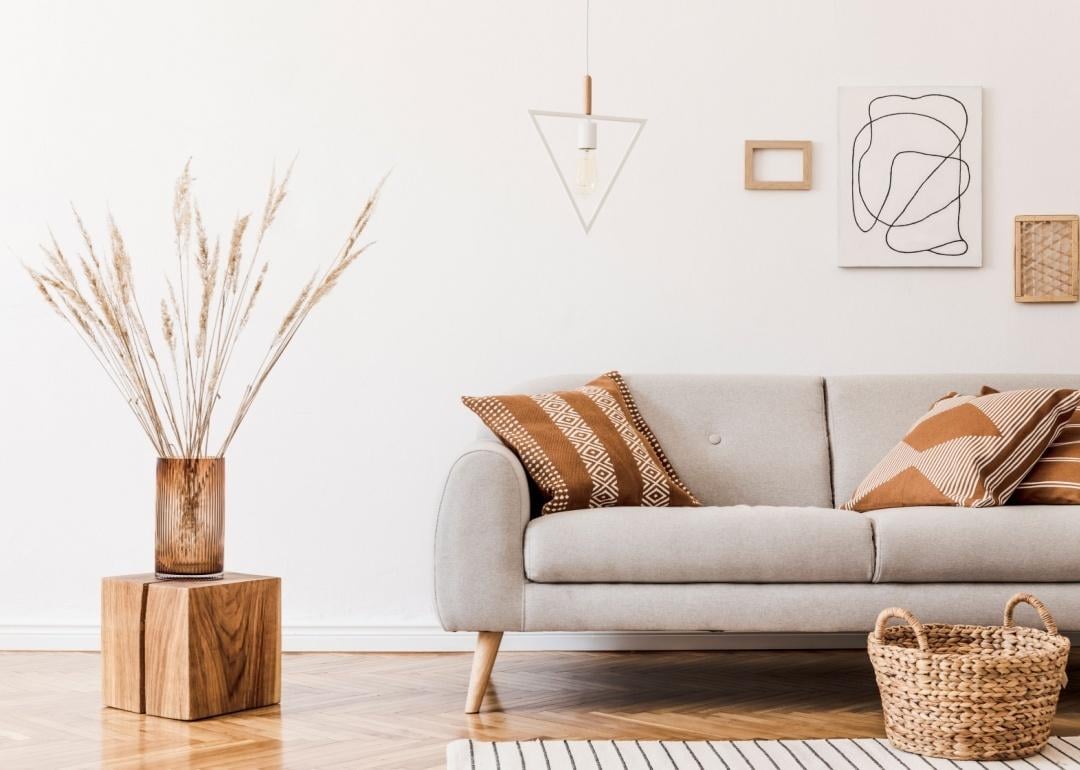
<point x="587" y="150"/>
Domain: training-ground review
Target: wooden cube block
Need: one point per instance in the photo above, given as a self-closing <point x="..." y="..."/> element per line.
<point x="188" y="649"/>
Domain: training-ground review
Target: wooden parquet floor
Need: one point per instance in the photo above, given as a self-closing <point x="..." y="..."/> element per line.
<point x="399" y="710"/>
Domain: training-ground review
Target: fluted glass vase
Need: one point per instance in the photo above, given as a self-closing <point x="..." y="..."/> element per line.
<point x="190" y="534"/>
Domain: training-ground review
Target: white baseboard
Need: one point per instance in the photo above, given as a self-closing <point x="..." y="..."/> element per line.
<point x="434" y="639"/>
<point x="25" y="637"/>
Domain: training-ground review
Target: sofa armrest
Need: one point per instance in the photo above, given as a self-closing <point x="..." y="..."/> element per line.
<point x="479" y="540"/>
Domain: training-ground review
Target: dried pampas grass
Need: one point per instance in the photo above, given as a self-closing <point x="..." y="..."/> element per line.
<point x="174" y="399"/>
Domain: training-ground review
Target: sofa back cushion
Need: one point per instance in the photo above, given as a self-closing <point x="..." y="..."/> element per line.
<point x="868" y="412"/>
<point x="735" y="439"/>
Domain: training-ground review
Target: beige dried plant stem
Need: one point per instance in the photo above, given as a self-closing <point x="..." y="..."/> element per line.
<point x="174" y="396"/>
<point x="310" y="296"/>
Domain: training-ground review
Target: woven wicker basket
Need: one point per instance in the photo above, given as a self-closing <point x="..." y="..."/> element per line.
<point x="969" y="692"/>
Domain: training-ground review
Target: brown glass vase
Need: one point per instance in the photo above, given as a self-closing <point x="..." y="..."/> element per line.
<point x="190" y="533"/>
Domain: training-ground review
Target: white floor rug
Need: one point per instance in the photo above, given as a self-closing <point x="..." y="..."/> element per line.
<point x="869" y="753"/>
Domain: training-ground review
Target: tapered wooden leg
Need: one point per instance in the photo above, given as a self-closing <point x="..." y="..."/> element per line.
<point x="487" y="647"/>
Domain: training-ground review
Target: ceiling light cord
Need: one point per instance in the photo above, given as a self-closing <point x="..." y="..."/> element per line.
<point x="586" y="37"/>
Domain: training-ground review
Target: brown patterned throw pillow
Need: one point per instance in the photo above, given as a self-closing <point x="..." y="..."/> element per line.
<point x="1055" y="478"/>
<point x="967" y="451"/>
<point x="585" y="448"/>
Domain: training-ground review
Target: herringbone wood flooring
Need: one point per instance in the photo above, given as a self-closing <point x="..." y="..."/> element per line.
<point x="399" y="710"/>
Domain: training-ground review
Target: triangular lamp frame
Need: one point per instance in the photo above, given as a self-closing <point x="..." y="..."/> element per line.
<point x="586" y="223"/>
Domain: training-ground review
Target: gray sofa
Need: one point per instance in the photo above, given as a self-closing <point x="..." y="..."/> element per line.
<point x="770" y="457"/>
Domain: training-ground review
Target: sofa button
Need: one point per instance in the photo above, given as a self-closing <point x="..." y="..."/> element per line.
<point x="714" y="438"/>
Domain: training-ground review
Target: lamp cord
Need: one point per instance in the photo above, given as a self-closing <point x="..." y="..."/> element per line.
<point x="586" y="37"/>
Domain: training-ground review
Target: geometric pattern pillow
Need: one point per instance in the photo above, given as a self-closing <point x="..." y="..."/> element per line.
<point x="969" y="451"/>
<point x="585" y="448"/>
<point x="1055" y="479"/>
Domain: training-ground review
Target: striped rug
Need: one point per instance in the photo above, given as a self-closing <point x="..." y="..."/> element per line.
<point x="868" y="753"/>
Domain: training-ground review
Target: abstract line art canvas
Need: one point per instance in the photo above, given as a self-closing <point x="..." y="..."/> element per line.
<point x="910" y="177"/>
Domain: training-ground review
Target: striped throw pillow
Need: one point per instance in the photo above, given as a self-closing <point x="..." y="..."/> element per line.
<point x="585" y="448"/>
<point x="969" y="451"/>
<point x="1055" y="479"/>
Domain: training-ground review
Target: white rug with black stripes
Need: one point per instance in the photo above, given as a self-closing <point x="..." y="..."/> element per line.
<point x="868" y="753"/>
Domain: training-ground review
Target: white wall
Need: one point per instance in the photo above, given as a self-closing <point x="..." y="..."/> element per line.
<point x="481" y="276"/>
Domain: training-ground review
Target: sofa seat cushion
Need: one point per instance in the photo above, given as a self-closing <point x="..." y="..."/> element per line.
<point x="968" y="545"/>
<point x="737" y="544"/>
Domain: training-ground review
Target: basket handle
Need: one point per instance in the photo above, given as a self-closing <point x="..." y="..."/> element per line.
<point x="916" y="625"/>
<point x="1044" y="614"/>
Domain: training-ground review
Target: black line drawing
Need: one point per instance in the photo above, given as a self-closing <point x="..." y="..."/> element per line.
<point x="934" y="224"/>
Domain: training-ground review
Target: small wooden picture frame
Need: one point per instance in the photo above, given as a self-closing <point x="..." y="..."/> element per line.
<point x="1046" y="258"/>
<point x="753" y="145"/>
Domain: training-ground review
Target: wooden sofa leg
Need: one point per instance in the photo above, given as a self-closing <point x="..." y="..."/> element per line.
<point x="487" y="647"/>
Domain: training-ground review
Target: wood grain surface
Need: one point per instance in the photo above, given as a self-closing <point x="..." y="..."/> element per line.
<point x="123" y="602"/>
<point x="205" y="647"/>
<point x="399" y="710"/>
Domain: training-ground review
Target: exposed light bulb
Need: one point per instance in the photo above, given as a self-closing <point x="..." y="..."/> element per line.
<point x="585" y="173"/>
<point x="585" y="177"/>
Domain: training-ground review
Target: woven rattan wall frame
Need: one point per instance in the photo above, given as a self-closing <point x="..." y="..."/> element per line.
<point x="1046" y="251"/>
